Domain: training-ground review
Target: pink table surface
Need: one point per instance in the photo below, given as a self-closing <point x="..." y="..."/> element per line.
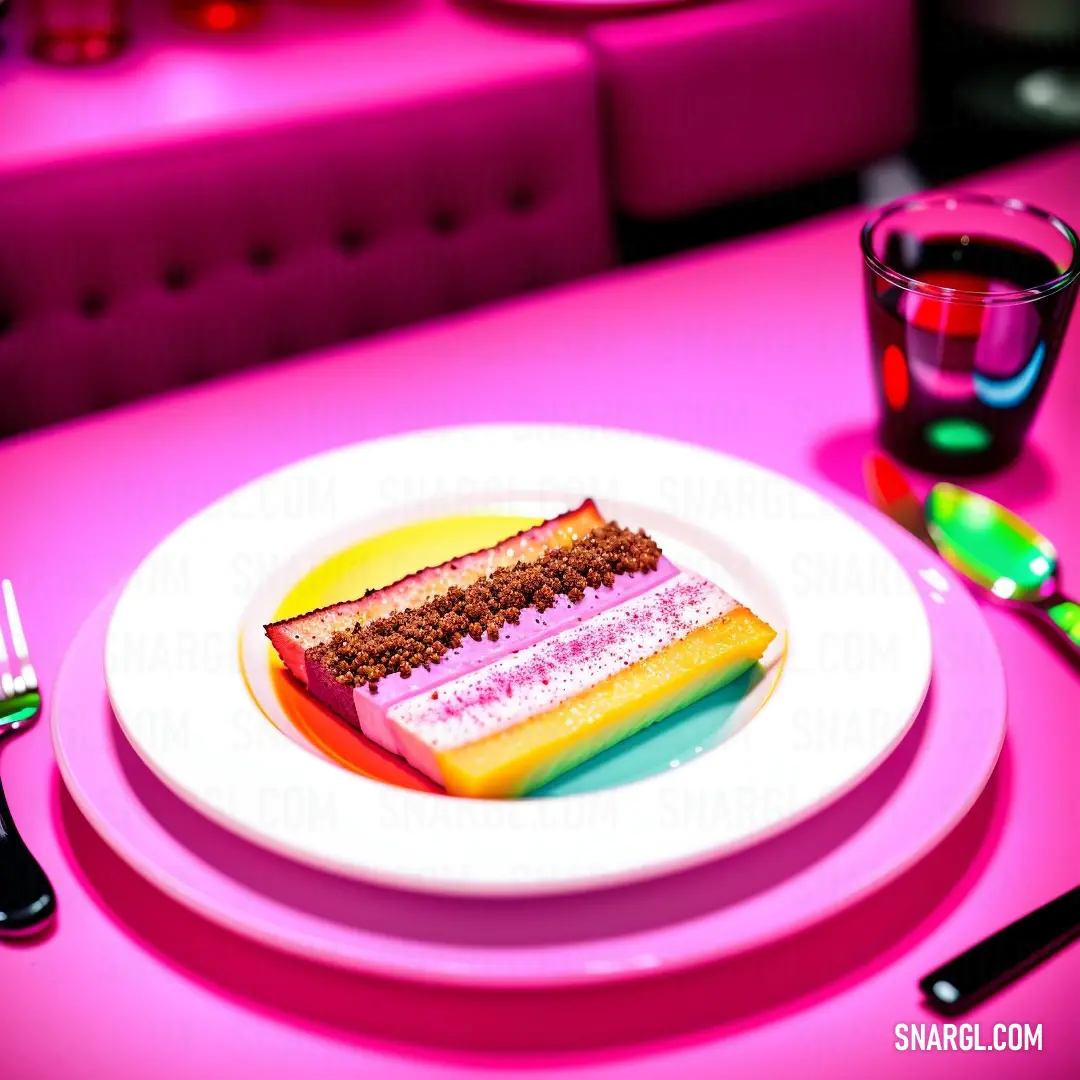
<point x="761" y="350"/>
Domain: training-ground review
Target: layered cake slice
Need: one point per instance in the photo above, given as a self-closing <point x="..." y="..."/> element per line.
<point x="494" y="683"/>
<point x="292" y="638"/>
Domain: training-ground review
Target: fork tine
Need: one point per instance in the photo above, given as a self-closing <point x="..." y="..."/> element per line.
<point x="17" y="681"/>
<point x="7" y="686"/>
<point x="7" y="683"/>
<point x="18" y="638"/>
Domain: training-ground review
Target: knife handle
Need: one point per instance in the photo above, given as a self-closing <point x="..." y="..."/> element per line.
<point x="985" y="968"/>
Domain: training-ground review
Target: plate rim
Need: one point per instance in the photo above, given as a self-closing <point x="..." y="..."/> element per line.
<point x="762" y="479"/>
<point x="520" y="979"/>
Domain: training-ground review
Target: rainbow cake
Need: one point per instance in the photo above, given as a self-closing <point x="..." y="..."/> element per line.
<point x="497" y="671"/>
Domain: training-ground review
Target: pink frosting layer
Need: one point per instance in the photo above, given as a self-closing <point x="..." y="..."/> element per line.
<point x="371" y="708"/>
<point x="533" y="680"/>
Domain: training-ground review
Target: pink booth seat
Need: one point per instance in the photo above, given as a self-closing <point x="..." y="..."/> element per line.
<point x="713" y="103"/>
<point x="204" y="206"/>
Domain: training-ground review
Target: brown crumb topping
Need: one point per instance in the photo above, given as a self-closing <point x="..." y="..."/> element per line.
<point x="421" y="636"/>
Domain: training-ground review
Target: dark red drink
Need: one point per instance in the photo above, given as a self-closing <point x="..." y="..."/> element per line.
<point x="965" y="329"/>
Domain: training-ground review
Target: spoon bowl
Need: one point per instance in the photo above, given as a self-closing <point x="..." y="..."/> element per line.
<point x="1003" y="553"/>
<point x="985" y="543"/>
<point x="991" y="545"/>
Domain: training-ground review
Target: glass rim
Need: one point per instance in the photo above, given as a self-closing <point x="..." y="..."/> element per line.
<point x="970" y="296"/>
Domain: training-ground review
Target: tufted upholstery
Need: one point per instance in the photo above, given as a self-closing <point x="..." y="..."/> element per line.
<point x="137" y="268"/>
<point x="724" y="100"/>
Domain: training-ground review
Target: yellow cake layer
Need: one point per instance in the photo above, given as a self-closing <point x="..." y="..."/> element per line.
<point x="524" y="757"/>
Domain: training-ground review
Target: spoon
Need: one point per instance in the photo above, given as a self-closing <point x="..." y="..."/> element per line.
<point x="982" y="541"/>
<point x="1008" y="556"/>
<point x="997" y="549"/>
<point x="1003" y="553"/>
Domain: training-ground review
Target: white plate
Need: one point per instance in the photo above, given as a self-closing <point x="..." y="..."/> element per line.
<point x="855" y="674"/>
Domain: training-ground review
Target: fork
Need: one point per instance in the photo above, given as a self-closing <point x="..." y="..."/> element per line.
<point x="27" y="901"/>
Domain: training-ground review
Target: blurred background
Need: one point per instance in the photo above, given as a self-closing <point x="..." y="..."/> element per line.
<point x="995" y="80"/>
<point x="191" y="187"/>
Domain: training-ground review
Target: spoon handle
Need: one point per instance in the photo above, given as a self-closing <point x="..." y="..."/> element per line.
<point x="1063" y="616"/>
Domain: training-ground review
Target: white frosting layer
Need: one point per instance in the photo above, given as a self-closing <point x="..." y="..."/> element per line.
<point x="473" y="655"/>
<point x="537" y="678"/>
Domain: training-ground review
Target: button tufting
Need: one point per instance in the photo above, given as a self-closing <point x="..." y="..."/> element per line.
<point x="177" y="278"/>
<point x="94" y="305"/>
<point x="445" y="222"/>
<point x="522" y="200"/>
<point x="6" y="322"/>
<point x="261" y="257"/>
<point x="350" y="240"/>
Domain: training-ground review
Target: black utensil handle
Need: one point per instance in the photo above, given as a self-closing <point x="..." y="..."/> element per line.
<point x="985" y="968"/>
<point x="27" y="900"/>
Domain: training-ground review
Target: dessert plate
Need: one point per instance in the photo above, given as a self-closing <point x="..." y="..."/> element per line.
<point x="856" y="668"/>
<point x="774" y="888"/>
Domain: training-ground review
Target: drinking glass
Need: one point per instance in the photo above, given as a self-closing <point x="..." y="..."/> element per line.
<point x="967" y="300"/>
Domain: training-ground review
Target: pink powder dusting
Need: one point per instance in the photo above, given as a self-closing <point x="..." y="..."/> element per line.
<point x="580" y="656"/>
<point x="670" y="608"/>
<point x="533" y="627"/>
